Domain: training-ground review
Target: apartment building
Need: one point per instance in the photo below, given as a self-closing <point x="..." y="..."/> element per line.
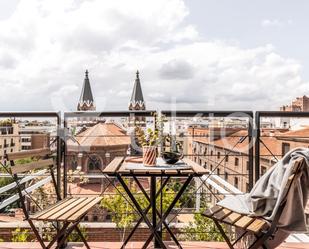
<point x="227" y="156"/>
<point x="36" y="134"/>
<point x="9" y="137"/>
<point x="300" y="104"/>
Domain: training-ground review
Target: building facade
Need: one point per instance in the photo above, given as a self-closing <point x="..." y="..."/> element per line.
<point x="36" y="134"/>
<point x="9" y="137"/>
<point x="228" y="156"/>
<point x="300" y="104"/>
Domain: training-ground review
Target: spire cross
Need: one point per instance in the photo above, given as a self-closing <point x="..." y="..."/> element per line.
<point x="137" y="74"/>
<point x="86" y="73"/>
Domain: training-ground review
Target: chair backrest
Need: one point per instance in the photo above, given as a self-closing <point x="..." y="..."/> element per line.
<point x="42" y="160"/>
<point x="43" y="155"/>
<point x="295" y="174"/>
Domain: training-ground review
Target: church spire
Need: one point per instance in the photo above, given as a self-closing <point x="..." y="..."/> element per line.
<point x="137" y="100"/>
<point x="86" y="102"/>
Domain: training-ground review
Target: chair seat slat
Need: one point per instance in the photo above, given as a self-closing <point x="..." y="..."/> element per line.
<point x="85" y="209"/>
<point x="67" y="215"/>
<point x="211" y="211"/>
<point x="37" y="214"/>
<point x="222" y="214"/>
<point x="244" y="221"/>
<point x="257" y="226"/>
<point x="66" y="209"/>
<point x="52" y="210"/>
<point x="232" y="218"/>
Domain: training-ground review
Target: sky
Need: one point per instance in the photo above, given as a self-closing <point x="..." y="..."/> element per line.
<point x="191" y="54"/>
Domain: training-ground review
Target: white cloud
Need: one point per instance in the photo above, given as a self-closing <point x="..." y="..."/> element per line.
<point x="275" y="23"/>
<point x="46" y="45"/>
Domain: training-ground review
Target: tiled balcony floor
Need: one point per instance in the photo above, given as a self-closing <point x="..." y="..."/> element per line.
<point x="136" y="245"/>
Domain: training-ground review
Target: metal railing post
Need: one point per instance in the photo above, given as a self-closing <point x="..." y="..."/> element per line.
<point x="251" y="151"/>
<point x="257" y="147"/>
<point x="59" y="154"/>
<point x="65" y="182"/>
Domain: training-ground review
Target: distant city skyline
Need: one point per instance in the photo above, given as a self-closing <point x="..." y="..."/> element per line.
<point x="191" y="54"/>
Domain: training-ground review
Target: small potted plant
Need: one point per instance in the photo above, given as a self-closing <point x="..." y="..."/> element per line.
<point x="149" y="140"/>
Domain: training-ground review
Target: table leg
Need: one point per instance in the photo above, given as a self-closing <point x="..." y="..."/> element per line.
<point x="154" y="210"/>
<point x="159" y="192"/>
<point x="183" y="188"/>
<point x="141" y="212"/>
<point x="146" y="211"/>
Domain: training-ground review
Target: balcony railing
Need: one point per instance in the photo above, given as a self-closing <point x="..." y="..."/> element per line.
<point x="236" y="148"/>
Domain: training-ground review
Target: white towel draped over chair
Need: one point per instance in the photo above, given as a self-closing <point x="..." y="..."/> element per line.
<point x="273" y="209"/>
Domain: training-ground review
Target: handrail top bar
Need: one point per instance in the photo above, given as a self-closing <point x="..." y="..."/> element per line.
<point x="108" y="114"/>
<point x="281" y="114"/>
<point x="219" y="113"/>
<point x="180" y="113"/>
<point x="30" y="114"/>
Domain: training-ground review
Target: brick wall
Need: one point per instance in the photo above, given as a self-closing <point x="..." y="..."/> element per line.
<point x="94" y="234"/>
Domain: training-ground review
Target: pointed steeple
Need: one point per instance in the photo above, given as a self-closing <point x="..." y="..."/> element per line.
<point x="86" y="102"/>
<point x="137" y="100"/>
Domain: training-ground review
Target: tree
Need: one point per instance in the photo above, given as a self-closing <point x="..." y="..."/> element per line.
<point x="74" y="236"/>
<point x="19" y="235"/>
<point x="201" y="229"/>
<point x="187" y="199"/>
<point x="123" y="214"/>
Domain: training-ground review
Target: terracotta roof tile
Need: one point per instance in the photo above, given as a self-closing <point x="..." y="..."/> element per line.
<point x="102" y="135"/>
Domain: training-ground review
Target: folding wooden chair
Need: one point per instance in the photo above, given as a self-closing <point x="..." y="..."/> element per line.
<point x="69" y="211"/>
<point x="261" y="229"/>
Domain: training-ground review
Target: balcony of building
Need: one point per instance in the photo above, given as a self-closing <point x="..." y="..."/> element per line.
<point x="235" y="147"/>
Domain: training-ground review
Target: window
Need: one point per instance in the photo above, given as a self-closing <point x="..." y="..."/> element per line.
<point x="236" y="182"/>
<point x="74" y="163"/>
<point x="226" y="176"/>
<point x="211" y="167"/>
<point x="205" y="165"/>
<point x="25" y="147"/>
<point x="218" y="155"/>
<point x="200" y="162"/>
<point x="94" y="163"/>
<point x="285" y="148"/>
<point x="236" y="161"/>
<point x="218" y="171"/>
<point x="226" y="158"/>
<point x="211" y="153"/>
<point x="205" y="151"/>
<point x="247" y="165"/>
<point x="95" y="218"/>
